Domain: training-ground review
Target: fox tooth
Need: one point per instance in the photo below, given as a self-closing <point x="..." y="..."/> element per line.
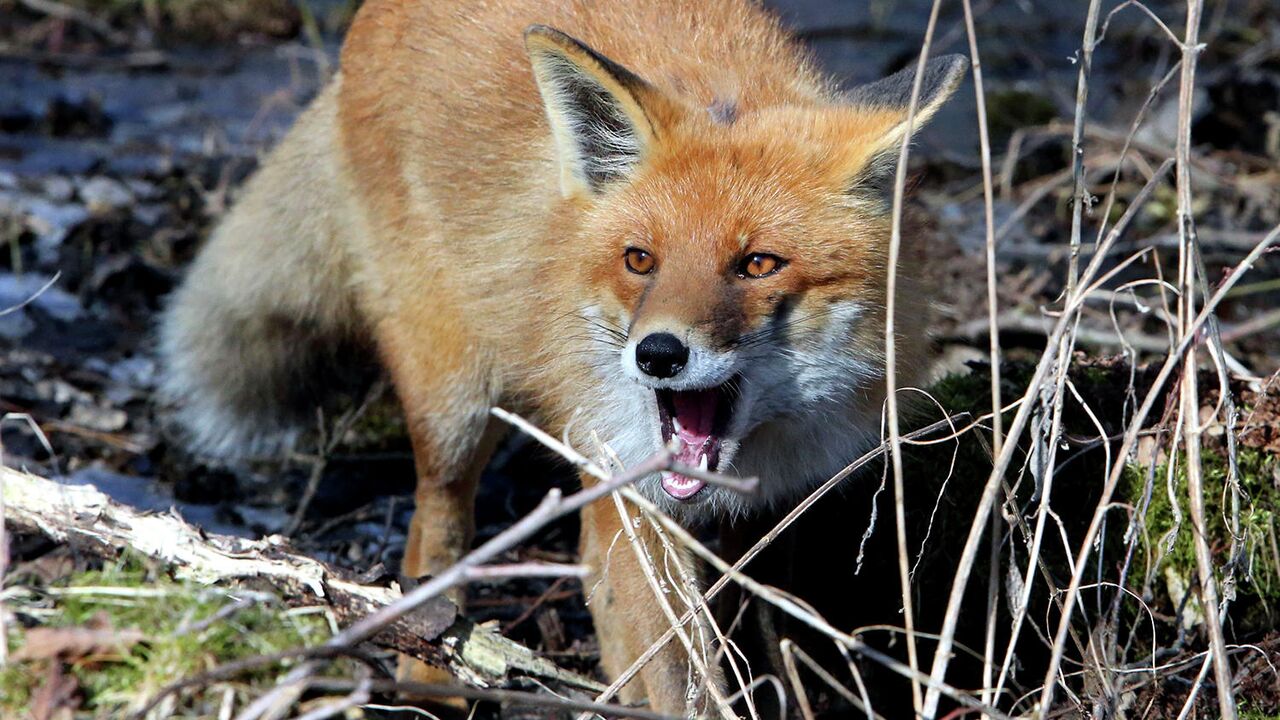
<point x="676" y="424"/>
<point x="702" y="463"/>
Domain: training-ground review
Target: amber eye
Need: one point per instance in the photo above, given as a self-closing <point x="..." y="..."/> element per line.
<point x="638" y="261"/>
<point x="758" y="265"/>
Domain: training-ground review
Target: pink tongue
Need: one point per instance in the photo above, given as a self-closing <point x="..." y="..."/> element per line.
<point x="695" y="412"/>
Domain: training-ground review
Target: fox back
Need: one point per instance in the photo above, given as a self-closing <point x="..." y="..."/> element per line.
<point x="657" y="218"/>
<point x="646" y="225"/>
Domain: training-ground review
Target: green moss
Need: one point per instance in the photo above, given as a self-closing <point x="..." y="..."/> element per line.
<point x="1165" y="568"/>
<point x="971" y="392"/>
<point x="183" y="637"/>
<point x="1167" y="546"/>
<point x="1010" y="110"/>
<point x="1245" y="713"/>
<point x="16" y="684"/>
<point x="380" y="428"/>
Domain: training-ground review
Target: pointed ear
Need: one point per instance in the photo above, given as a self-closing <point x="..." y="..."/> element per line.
<point x="875" y="161"/>
<point x="596" y="109"/>
<point x="942" y="76"/>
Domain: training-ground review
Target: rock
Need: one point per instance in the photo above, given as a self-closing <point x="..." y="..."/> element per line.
<point x="265" y="520"/>
<point x="98" y="418"/>
<point x="146" y="494"/>
<point x="966" y="222"/>
<point x="60" y="392"/>
<point x="139" y="372"/>
<point x="129" y="379"/>
<point x="50" y="221"/>
<point x="150" y="214"/>
<point x="16" y="325"/>
<point x="57" y="188"/>
<point x="142" y="189"/>
<point x="122" y="394"/>
<point x="102" y="194"/>
<point x="1161" y="128"/>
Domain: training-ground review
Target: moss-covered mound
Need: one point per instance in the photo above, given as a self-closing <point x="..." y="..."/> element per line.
<point x="109" y="640"/>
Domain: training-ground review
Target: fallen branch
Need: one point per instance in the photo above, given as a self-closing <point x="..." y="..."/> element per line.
<point x="433" y="631"/>
<point x="67" y="13"/>
<point x="507" y="697"/>
<point x="1017" y="321"/>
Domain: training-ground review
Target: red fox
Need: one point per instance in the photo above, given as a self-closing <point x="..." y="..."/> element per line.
<point x="653" y="223"/>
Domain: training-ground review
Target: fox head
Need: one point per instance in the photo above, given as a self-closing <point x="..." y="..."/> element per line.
<point x="736" y="260"/>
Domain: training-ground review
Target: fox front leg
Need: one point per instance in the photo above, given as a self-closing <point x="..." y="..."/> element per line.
<point x="630" y="618"/>
<point x="446" y="405"/>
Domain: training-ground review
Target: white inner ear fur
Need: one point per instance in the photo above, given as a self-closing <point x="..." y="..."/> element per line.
<point x="596" y="139"/>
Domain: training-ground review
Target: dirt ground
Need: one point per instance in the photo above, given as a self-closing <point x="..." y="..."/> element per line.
<point x="125" y="134"/>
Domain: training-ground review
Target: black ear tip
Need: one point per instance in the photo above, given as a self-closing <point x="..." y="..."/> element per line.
<point x="951" y="66"/>
<point x="942" y="74"/>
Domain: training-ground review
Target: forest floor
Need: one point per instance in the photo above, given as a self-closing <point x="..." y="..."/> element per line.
<point x="127" y="128"/>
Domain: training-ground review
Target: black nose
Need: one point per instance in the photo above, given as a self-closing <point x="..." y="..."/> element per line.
<point x="661" y="355"/>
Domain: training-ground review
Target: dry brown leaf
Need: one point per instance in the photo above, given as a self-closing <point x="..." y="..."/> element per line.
<point x="55" y="699"/>
<point x="95" y="638"/>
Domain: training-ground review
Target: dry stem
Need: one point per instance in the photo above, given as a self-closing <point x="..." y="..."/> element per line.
<point x="891" y="358"/>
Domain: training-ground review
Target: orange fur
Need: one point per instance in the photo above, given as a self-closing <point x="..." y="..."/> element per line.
<point x="460" y="241"/>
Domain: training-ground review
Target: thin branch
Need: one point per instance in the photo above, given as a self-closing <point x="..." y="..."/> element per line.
<point x="645" y="561"/>
<point x="765" y="541"/>
<point x="1130" y="438"/>
<point x="358" y="696"/>
<point x="993" y="333"/>
<point x="891" y="357"/>
<point x="505" y="697"/>
<point x="329" y="440"/>
<point x="794" y="608"/>
<point x="33" y="296"/>
<point x="73" y="14"/>
<point x="1190" y="397"/>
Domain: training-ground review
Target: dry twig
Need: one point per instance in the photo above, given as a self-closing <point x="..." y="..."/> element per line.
<point x="891" y="357"/>
<point x="433" y="632"/>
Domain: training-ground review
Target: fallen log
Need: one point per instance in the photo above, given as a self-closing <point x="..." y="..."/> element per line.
<point x="436" y="632"/>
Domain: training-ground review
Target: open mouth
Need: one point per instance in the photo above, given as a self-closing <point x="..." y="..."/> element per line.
<point x="695" y="422"/>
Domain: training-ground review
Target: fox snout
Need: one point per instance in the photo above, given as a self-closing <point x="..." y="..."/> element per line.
<point x="661" y="355"/>
<point x="682" y="328"/>
<point x="665" y="359"/>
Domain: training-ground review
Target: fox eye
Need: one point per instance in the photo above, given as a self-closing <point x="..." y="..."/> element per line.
<point x="638" y="261"/>
<point x="758" y="265"/>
